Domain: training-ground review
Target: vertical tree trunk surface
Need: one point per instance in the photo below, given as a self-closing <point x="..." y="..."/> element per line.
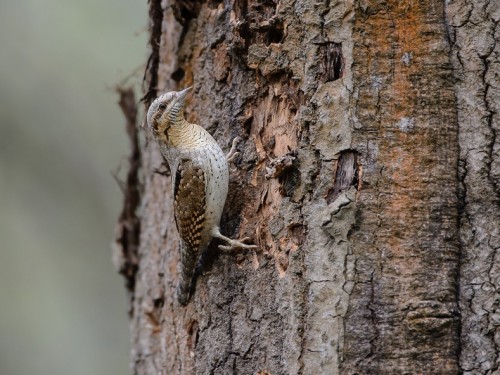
<point x="368" y="177"/>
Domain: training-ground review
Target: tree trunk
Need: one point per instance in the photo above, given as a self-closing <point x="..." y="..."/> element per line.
<point x="368" y="177"/>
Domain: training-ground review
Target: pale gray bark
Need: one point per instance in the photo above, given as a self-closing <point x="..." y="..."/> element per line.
<point x="475" y="37"/>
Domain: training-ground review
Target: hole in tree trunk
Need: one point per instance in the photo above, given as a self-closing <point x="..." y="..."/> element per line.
<point x="346" y="174"/>
<point x="178" y="75"/>
<point x="275" y="34"/>
<point x="333" y="61"/>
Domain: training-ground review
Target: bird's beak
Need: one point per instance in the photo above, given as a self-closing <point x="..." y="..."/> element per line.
<point x="181" y="95"/>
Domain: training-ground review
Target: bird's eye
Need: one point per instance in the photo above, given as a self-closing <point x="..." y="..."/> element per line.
<point x="162" y="106"/>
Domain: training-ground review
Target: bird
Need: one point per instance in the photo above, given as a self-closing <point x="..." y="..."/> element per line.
<point x="200" y="181"/>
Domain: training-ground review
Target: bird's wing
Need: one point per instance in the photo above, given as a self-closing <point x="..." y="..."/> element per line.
<point x="190" y="202"/>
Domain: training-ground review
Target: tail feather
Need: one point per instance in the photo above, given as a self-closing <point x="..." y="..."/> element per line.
<point x="185" y="287"/>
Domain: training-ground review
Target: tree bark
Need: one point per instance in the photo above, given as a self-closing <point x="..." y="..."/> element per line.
<point x="368" y="177"/>
<point x="475" y="40"/>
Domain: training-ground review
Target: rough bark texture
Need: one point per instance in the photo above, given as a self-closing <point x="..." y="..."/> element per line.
<point x="403" y="316"/>
<point x="347" y="180"/>
<point x="128" y="228"/>
<point x="475" y="37"/>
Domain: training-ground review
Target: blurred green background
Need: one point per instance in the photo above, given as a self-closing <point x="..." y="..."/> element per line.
<point x="63" y="307"/>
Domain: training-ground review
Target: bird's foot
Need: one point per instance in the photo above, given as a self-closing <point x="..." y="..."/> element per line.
<point x="233" y="154"/>
<point x="237" y="245"/>
<point x="234" y="244"/>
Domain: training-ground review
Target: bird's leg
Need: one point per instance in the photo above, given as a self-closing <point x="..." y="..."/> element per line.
<point x="233" y="154"/>
<point x="233" y="244"/>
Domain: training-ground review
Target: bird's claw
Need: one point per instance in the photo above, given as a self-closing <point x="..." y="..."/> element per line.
<point x="238" y="245"/>
<point x="233" y="157"/>
<point x="233" y="154"/>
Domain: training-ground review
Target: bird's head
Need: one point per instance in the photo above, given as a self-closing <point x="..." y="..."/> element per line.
<point x="165" y="111"/>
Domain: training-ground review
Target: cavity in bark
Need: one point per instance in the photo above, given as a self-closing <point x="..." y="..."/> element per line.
<point x="346" y="174"/>
<point x="333" y="61"/>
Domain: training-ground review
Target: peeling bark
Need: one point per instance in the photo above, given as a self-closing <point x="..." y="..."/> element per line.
<point x="348" y="181"/>
<point x="126" y="244"/>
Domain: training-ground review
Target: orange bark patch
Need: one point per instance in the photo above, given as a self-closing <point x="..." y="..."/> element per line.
<point x="274" y="132"/>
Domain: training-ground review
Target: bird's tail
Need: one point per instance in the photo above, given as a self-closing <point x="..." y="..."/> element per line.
<point x="187" y="270"/>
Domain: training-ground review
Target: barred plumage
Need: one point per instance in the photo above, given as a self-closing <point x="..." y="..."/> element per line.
<point x="200" y="180"/>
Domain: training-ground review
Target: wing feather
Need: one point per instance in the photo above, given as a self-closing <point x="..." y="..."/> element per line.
<point x="190" y="202"/>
